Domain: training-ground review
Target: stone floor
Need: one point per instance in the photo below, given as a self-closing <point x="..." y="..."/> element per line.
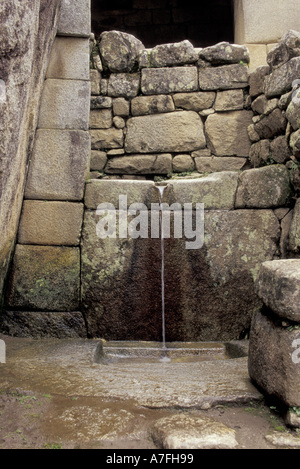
<point x="67" y="399"/>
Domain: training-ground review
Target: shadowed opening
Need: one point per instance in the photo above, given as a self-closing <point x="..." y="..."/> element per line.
<point x="204" y="23"/>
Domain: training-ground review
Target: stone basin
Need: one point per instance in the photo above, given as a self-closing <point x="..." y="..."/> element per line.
<point x="176" y="352"/>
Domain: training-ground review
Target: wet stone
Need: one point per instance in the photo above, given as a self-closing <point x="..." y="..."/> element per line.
<point x="183" y="431"/>
<point x="45" y="278"/>
<point x="169" y="132"/>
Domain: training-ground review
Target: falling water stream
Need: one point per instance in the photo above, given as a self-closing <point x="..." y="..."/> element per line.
<point x="164" y="358"/>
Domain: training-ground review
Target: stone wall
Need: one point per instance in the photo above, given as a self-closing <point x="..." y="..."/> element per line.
<point x="45" y="271"/>
<point x="173" y="114"/>
<point x="164" y="110"/>
<point x="274" y="133"/>
<point x="27" y="33"/>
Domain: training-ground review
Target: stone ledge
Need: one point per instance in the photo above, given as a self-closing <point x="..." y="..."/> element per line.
<point x="216" y="192"/>
<point x="69" y="59"/>
<point x="266" y="187"/>
<point x="44" y="278"/>
<point x="65" y="104"/>
<point x="278" y="285"/>
<point x="108" y="191"/>
<point x="75" y="18"/>
<point x="272" y="359"/>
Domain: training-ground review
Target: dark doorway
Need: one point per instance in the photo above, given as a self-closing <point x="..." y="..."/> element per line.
<point x="155" y="22"/>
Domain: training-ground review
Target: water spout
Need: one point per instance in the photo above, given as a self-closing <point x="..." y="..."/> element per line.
<point x="164" y="357"/>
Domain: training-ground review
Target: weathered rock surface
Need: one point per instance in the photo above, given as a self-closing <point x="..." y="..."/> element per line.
<point x="179" y="53"/>
<point x="169" y="80"/>
<point x="101" y="119"/>
<point x="271" y="125"/>
<point x="124" y="84"/>
<point x="287" y="48"/>
<point x="119" y="51"/>
<point x="195" y="101"/>
<point x="140" y="164"/>
<point x="274" y="360"/>
<point x="69" y="59"/>
<point x="143" y="105"/>
<point x="98" y="160"/>
<point x="278" y="285"/>
<point x="260" y="153"/>
<point x="262" y="105"/>
<point x="214" y="297"/>
<point x="213" y="164"/>
<point x="281" y="79"/>
<point x="186" y="432"/>
<point x="75" y="20"/>
<point x="224" y="77"/>
<point x="225" y="53"/>
<point x="265" y="187"/>
<point x="293" y="111"/>
<point x="116" y="274"/>
<point x="178" y="131"/>
<point x="229" y="100"/>
<point x="106" y="139"/>
<point x="283" y="440"/>
<point x="45" y="278"/>
<point x="280" y="150"/>
<point x="59" y="165"/>
<point x="27" y="35"/>
<point x="50" y="223"/>
<point x="294" y="235"/>
<point x="183" y="163"/>
<point x="227" y="133"/>
<point x="257" y="80"/>
<point x="295" y="143"/>
<point x="106" y="191"/>
<point x="43" y="324"/>
<point x="65" y="104"/>
<point x="216" y="192"/>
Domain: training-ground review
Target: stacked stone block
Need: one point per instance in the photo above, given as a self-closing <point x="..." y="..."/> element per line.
<point x="44" y="287"/>
<point x="274" y="355"/>
<point x="209" y="292"/>
<point x="275" y="130"/>
<point x="170" y="109"/>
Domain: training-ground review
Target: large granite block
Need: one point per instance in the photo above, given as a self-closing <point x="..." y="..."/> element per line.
<point x="59" y="165"/>
<point x="278" y="285"/>
<point x="44" y="278"/>
<point x="265" y="187"/>
<point x="50" y="223"/>
<point x="169" y="80"/>
<point x="69" y="59"/>
<point x="227" y="133"/>
<point x="65" y="104"/>
<point x="274" y="359"/>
